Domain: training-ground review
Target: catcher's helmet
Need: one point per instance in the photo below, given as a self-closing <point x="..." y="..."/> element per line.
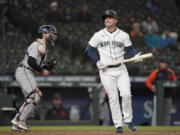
<point x="110" y="13"/>
<point x="44" y="29"/>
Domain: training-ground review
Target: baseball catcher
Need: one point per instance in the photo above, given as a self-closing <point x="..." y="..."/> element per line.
<point x="25" y="74"/>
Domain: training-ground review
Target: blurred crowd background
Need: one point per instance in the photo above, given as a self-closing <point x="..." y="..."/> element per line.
<point x="153" y="26"/>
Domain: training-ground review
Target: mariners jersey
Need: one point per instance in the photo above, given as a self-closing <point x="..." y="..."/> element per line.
<point x="36" y="50"/>
<point x="110" y="45"/>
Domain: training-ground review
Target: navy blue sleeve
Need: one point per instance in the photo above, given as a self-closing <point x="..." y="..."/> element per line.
<point x="32" y="63"/>
<point x="130" y="51"/>
<point x="91" y="53"/>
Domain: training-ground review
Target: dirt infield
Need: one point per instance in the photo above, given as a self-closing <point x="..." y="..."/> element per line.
<point x="90" y="133"/>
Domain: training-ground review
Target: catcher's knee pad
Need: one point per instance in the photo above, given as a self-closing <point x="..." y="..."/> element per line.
<point x="34" y="98"/>
<point x="37" y="98"/>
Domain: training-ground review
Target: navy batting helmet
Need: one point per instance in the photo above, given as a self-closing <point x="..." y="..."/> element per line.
<point x="44" y="29"/>
<point x="110" y="13"/>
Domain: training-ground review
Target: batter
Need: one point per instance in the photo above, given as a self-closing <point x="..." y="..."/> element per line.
<point x="112" y="43"/>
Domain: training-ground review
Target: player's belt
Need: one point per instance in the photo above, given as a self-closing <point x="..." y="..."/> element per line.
<point x="114" y="66"/>
<point x="24" y="66"/>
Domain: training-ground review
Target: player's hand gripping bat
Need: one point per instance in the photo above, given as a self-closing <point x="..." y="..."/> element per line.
<point x="142" y="57"/>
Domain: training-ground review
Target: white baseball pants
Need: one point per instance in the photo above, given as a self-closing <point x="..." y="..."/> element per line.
<point x="112" y="85"/>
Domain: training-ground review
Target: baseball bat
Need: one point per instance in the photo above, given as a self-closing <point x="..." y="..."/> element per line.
<point x="143" y="56"/>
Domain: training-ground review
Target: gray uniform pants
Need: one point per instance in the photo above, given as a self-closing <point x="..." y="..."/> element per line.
<point x="26" y="79"/>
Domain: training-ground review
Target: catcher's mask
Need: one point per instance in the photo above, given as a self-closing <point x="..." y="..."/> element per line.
<point x="44" y="29"/>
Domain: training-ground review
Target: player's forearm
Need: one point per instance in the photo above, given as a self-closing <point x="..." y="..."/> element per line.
<point x="130" y="51"/>
<point x="91" y="53"/>
<point x="32" y="63"/>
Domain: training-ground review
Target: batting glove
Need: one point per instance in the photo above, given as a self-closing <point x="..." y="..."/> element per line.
<point x="137" y="56"/>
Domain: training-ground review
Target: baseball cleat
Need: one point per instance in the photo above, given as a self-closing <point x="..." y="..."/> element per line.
<point x="131" y="126"/>
<point x="15" y="122"/>
<point x="25" y="124"/>
<point x="17" y="129"/>
<point x="22" y="125"/>
<point x="119" y="130"/>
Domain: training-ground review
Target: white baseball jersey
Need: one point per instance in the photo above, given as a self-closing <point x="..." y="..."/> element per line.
<point x="36" y="50"/>
<point x="110" y="46"/>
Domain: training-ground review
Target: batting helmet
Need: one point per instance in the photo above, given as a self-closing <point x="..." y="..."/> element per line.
<point x="44" y="29"/>
<point x="110" y="13"/>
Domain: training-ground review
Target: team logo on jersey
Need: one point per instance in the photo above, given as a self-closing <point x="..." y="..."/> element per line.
<point x="116" y="43"/>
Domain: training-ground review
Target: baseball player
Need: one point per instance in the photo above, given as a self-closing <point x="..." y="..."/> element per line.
<point x="25" y="74"/>
<point x="112" y="43"/>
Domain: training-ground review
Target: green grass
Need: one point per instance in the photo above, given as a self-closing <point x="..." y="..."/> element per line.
<point x="94" y="128"/>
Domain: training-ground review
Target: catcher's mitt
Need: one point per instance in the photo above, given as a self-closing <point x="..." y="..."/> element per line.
<point x="50" y="64"/>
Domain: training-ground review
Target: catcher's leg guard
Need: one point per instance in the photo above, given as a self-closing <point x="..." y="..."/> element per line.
<point x="29" y="106"/>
